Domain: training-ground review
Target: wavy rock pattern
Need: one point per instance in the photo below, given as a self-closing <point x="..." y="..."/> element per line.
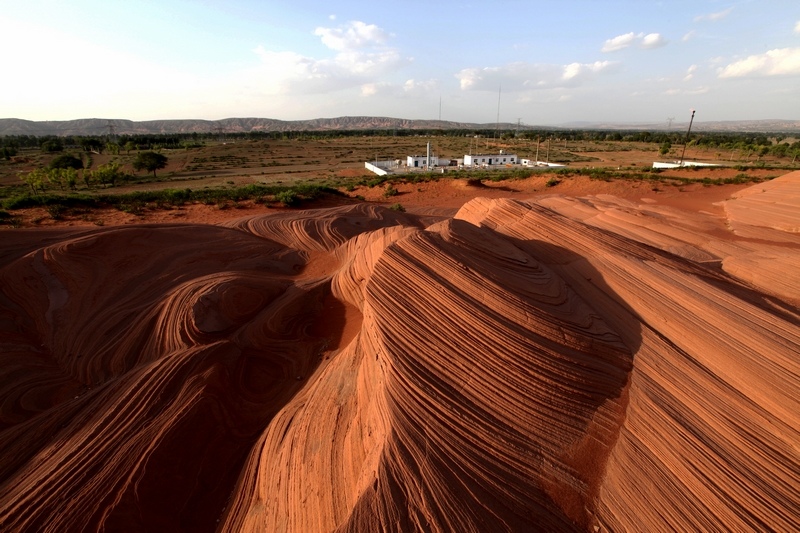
<point x="559" y="364"/>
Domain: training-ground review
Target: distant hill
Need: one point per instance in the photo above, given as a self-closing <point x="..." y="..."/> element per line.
<point x="755" y="126"/>
<point x="98" y="126"/>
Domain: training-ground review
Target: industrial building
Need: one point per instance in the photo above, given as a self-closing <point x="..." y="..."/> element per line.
<point x="489" y="160"/>
<point x="424" y="161"/>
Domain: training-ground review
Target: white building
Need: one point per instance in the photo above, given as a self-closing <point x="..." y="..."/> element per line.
<point x="487" y="160"/>
<point x="422" y="161"/>
<point x="532" y="163"/>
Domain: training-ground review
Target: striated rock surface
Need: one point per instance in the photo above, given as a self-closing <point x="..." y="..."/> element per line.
<point x="558" y="364"/>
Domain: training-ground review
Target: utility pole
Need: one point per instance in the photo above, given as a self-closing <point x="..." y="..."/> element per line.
<point x="497" y="123"/>
<point x="686" y="141"/>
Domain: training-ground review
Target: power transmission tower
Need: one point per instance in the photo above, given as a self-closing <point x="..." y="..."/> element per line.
<point x="669" y="123"/>
<point x="112" y="131"/>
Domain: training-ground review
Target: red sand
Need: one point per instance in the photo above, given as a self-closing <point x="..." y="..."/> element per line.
<point x="590" y="356"/>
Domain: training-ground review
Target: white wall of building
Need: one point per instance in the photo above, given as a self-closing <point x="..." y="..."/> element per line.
<point x="480" y="160"/>
<point x="657" y="164"/>
<point x="532" y="163"/>
<point x="421" y="161"/>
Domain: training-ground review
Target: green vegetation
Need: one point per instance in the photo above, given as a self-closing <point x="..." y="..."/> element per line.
<point x="72" y="172"/>
<point x="107" y="175"/>
<point x="66" y="161"/>
<point x="150" y="161"/>
<point x="288" y="198"/>
<point x="287" y="195"/>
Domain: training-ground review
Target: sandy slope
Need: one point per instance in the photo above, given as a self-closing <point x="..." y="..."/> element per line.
<point x="556" y="363"/>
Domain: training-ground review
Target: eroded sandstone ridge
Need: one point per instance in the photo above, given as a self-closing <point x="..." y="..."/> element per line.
<point x="553" y="364"/>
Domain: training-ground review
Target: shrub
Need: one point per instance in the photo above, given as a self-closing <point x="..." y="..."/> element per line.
<point x="552" y="182"/>
<point x="55" y="211"/>
<point x="287" y="198"/>
<point x="397" y="207"/>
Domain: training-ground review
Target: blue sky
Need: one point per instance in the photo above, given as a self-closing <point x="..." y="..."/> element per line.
<point x="544" y="63"/>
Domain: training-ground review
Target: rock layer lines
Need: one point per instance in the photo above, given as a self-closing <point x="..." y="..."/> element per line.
<point x="553" y="364"/>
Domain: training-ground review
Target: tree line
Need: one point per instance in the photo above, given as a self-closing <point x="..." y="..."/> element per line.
<point x="66" y="170"/>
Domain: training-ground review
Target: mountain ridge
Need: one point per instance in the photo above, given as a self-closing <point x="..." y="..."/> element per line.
<point x="100" y="126"/>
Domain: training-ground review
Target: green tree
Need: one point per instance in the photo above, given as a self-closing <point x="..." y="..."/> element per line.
<point x="35" y="180"/>
<point x="106" y="174"/>
<point x="63" y="177"/>
<point x="66" y="161"/>
<point x="150" y="161"/>
<point x="69" y="176"/>
<point x="92" y="144"/>
<point x="54" y="177"/>
<point x="52" y="145"/>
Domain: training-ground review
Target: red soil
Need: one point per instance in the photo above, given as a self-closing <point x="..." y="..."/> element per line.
<point x="586" y="356"/>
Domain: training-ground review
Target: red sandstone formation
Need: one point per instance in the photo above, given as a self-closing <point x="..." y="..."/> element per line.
<point x="552" y="364"/>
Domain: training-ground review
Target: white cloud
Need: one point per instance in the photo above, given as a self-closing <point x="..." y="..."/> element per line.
<point x="352" y="36"/>
<point x="695" y="91"/>
<point x="361" y="58"/>
<point x="688" y="36"/>
<point x="777" y="62"/>
<point x="416" y="88"/>
<point x="797" y="27"/>
<point x="690" y="73"/>
<point x="374" y="89"/>
<point x="649" y="41"/>
<point x="582" y="70"/>
<point x="409" y="89"/>
<point x="529" y="76"/>
<point x="619" y="42"/>
<point x="653" y="40"/>
<point x="713" y="17"/>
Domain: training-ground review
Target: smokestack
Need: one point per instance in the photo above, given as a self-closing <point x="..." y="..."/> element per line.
<point x="428" y="157"/>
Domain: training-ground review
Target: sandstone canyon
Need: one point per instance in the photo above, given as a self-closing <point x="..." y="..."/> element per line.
<point x="553" y="363"/>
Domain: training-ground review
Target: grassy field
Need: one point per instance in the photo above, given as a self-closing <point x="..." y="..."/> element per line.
<point x="292" y="170"/>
